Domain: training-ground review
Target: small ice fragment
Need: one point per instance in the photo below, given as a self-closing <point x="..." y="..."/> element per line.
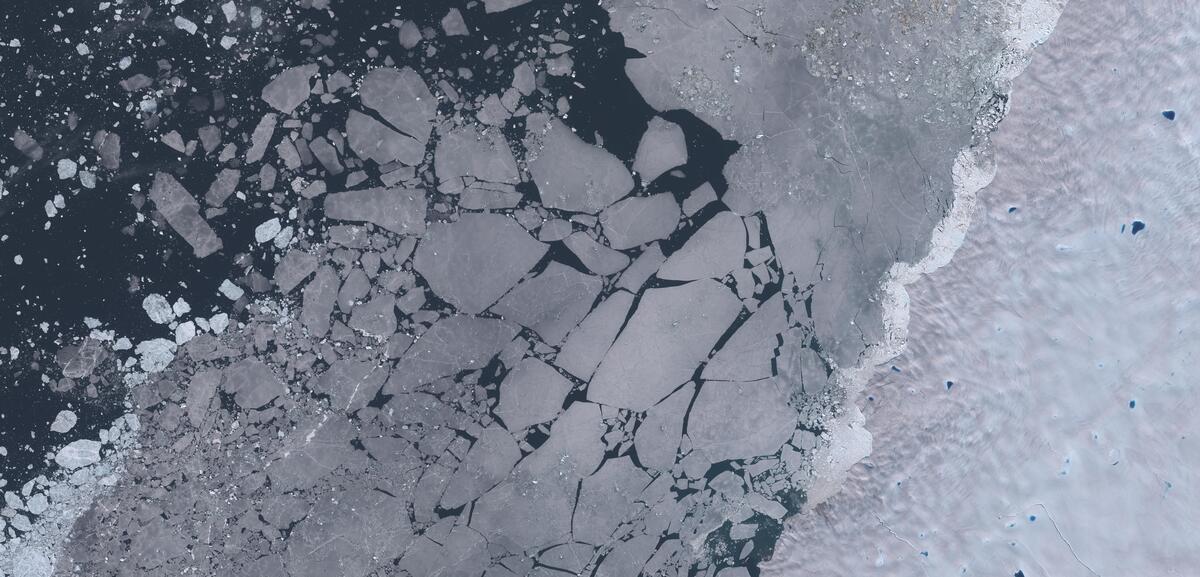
<point x="185" y="332"/>
<point x="125" y="62"/>
<point x="18" y="259"/>
<point x="185" y="25"/>
<point x="218" y="323"/>
<point x="231" y="291"/>
<point x="227" y="42"/>
<point x="181" y="307"/>
<point x="267" y="231"/>
<point x="82" y="49"/>
<point x="64" y="421"/>
<point x="230" y="11"/>
<point x="155" y="354"/>
<point x="67" y="169"/>
<point x="158" y="309"/>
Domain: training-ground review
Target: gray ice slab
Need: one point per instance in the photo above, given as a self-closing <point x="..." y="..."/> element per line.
<point x="608" y="498"/>
<point x="642" y="269"/>
<point x="501" y="5"/>
<point x="372" y="140"/>
<point x="749" y="353"/>
<point x="551" y="303"/>
<point x="108" y="146"/>
<point x="290" y="88"/>
<point x="489" y="462"/>
<point x="200" y="390"/>
<point x="662" y="148"/>
<point x="657" y="438"/>
<point x="261" y="137"/>
<point x="64" y="421"/>
<point x="183" y="214"/>
<point x="402" y="99"/>
<point x="573" y="175"/>
<point x="628" y="557"/>
<point x="399" y="210"/>
<point x="570" y="557"/>
<point x="348" y="533"/>
<point x="598" y="258"/>
<point x="731" y="420"/>
<point x="586" y="346"/>
<point x="311" y="451"/>
<point x="224" y="185"/>
<point x="351" y="383"/>
<point x="669" y="335"/>
<point x="319" y="298"/>
<point x="453" y="24"/>
<point x="293" y="268"/>
<point x="376" y="317"/>
<point x="473" y="261"/>
<point x="533" y="508"/>
<point x="252" y="383"/>
<point x="532" y="392"/>
<point x="465" y="154"/>
<point x="714" y="250"/>
<point x="640" y="219"/>
<point x="451" y="345"/>
<point x="327" y="155"/>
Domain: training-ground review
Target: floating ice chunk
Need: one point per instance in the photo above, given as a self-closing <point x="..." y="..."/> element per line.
<point x="402" y="99"/>
<point x="158" y="309"/>
<point x="487" y="463"/>
<point x="200" y="390"/>
<point x="290" y="88"/>
<point x="267" y="231"/>
<point x="155" y="354"/>
<point x="451" y="345"/>
<point x="596" y="257"/>
<point x="749" y="354"/>
<point x="182" y="212"/>
<point x="376" y="317"/>
<point x="185" y="332"/>
<point x="466" y="154"/>
<point x="453" y="24"/>
<point x="231" y="291"/>
<point x="261" y="137"/>
<point x="227" y="42"/>
<point x="399" y="210"/>
<point x="551" y="303"/>
<point x="714" y="250"/>
<point x="573" y="175"/>
<point x="218" y="323"/>
<point x="657" y="438"/>
<point x="670" y="333"/>
<point x="185" y="25"/>
<point x="662" y="148"/>
<point x="181" y="307"/>
<point x="637" y="220"/>
<point x="731" y="420"/>
<point x="82" y="49"/>
<point x="64" y="421"/>
<point x="585" y="346"/>
<point x="37" y="504"/>
<point x="501" y="5"/>
<point x="372" y="140"/>
<point x="108" y="146"/>
<point x="475" y="260"/>
<point x="640" y="271"/>
<point x="67" y="168"/>
<point x="606" y="499"/>
<point x="252" y="383"/>
<point x="319" y="298"/>
<point x="78" y="454"/>
<point x="295" y="266"/>
<point x="533" y="392"/>
<point x="229" y="9"/>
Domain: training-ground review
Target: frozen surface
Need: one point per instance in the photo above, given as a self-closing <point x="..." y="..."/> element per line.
<point x="1041" y="422"/>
